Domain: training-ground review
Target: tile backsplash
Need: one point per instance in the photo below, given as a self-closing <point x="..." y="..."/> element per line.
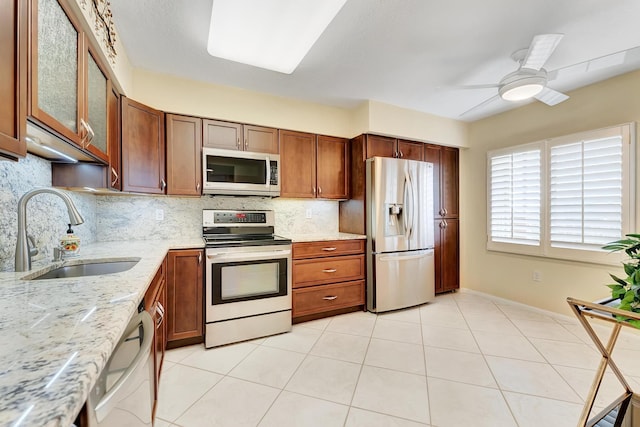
<point x="124" y="217"/>
<point x="134" y="217"/>
<point x="47" y="216"/>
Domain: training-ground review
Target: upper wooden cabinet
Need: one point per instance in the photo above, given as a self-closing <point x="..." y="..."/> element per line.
<point x="297" y="164"/>
<point x="13" y="84"/>
<point x="260" y="139"/>
<point x="383" y="146"/>
<point x="380" y="146"/>
<point x="332" y="167"/>
<point x="313" y="166"/>
<point x="445" y="179"/>
<point x="68" y="84"/>
<point x="236" y="136"/>
<point x="411" y="150"/>
<point x="143" y="148"/>
<point x="184" y="150"/>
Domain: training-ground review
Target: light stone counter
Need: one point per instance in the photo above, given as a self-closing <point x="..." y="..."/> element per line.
<point x="299" y="238"/>
<point x="58" y="334"/>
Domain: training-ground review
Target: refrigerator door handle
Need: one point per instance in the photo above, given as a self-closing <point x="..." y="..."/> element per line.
<point x="409" y="203"/>
<point x="405" y="204"/>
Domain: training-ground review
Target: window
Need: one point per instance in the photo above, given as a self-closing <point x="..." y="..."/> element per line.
<point x="564" y="197"/>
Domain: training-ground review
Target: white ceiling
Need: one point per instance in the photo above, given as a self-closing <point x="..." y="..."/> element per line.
<point x="409" y="53"/>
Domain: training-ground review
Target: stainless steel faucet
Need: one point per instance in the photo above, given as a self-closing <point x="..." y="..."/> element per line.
<point x="23" y="252"/>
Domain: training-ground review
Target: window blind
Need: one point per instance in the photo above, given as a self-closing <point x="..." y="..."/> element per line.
<point x="515" y="197"/>
<point x="586" y="193"/>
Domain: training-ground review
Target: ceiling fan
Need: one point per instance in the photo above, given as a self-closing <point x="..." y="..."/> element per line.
<point x="530" y="79"/>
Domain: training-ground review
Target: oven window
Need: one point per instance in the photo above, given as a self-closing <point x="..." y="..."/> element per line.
<point x="236" y="170"/>
<point x="248" y="280"/>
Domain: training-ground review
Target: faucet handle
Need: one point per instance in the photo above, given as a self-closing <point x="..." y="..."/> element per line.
<point x="58" y="253"/>
<point x="31" y="245"/>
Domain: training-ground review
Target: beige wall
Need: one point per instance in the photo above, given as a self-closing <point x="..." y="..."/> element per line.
<point x="179" y="95"/>
<point x="611" y="102"/>
<point x="396" y="121"/>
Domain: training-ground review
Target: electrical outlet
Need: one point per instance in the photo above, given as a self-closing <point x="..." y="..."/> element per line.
<point x="308" y="214"/>
<point x="537" y="276"/>
<point x="159" y="214"/>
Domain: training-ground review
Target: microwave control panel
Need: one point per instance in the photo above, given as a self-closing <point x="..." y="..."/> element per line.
<point x="273" y="176"/>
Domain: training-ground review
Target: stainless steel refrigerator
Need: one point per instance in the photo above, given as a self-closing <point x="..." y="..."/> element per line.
<point x="399" y="225"/>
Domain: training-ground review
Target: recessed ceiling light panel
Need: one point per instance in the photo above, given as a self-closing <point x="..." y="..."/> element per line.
<point x="271" y="34"/>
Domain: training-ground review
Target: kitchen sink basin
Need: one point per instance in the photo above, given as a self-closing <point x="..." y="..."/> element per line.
<point x="88" y="268"/>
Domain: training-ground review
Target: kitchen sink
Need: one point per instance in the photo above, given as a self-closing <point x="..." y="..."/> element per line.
<point x="87" y="268"/>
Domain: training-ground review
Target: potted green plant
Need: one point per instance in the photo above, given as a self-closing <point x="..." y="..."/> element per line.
<point x="627" y="290"/>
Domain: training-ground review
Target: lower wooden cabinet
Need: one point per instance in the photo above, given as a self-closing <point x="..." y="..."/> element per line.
<point x="184" y="297"/>
<point x="155" y="301"/>
<point x="327" y="276"/>
<point x="319" y="299"/>
<point x="447" y="256"/>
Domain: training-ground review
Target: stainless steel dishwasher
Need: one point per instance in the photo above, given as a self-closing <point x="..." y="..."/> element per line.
<point x="123" y="394"/>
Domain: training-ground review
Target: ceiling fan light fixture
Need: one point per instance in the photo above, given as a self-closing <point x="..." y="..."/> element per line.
<point x="521" y="89"/>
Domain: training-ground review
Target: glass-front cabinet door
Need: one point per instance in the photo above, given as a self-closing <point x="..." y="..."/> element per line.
<point x="97" y="87"/>
<point x="68" y="85"/>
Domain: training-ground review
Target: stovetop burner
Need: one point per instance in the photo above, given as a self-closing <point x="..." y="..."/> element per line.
<point x="226" y="228"/>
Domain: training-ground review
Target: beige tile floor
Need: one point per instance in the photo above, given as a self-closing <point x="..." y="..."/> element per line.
<point x="463" y="360"/>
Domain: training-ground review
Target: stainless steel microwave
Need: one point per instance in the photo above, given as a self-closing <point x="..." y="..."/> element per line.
<point x="240" y="173"/>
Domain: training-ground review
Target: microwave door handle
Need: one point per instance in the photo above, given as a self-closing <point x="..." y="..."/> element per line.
<point x="268" y="172"/>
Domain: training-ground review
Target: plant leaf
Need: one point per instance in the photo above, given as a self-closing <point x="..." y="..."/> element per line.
<point x="628" y="298"/>
<point x="617" y="291"/>
<point x="620" y="281"/>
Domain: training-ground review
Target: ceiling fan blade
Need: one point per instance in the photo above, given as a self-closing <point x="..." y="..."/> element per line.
<point x="485" y="86"/>
<point x="551" y="97"/>
<point x="542" y="46"/>
<point x="482" y="104"/>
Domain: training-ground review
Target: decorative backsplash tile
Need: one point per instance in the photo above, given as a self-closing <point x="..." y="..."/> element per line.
<point x="127" y="216"/>
<point x="134" y="217"/>
<point x="47" y="216"/>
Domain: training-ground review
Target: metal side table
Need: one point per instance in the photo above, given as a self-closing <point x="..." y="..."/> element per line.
<point x="624" y="411"/>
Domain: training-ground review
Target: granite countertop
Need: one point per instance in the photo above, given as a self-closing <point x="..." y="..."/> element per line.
<point x="298" y="238"/>
<point x="58" y="334"/>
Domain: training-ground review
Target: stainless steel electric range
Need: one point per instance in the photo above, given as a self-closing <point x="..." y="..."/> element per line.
<point x="247" y="278"/>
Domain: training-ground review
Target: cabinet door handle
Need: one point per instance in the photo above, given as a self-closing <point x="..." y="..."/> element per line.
<point x="401" y="154"/>
<point x="331" y="298"/>
<point x="160" y="310"/>
<point x="197" y="186"/>
<point x="329" y="270"/>
<point x="441" y="212"/>
<point x="163" y="184"/>
<point x="200" y="258"/>
<point x="319" y="190"/>
<point x="238" y="143"/>
<point x="313" y="189"/>
<point x="443" y="224"/>
<point x="444" y="211"/>
<point x="116" y="176"/>
<point x="91" y="135"/>
<point x="246" y="144"/>
<point x="329" y="249"/>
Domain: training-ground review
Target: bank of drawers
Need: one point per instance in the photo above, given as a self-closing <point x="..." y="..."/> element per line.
<point x="327" y="276"/>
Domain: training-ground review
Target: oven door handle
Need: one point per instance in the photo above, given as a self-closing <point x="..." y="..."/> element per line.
<point x="246" y="256"/>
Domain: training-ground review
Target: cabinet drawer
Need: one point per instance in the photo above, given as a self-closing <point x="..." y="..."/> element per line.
<point x="318" y="299"/>
<point x="327" y="248"/>
<point x="327" y="270"/>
